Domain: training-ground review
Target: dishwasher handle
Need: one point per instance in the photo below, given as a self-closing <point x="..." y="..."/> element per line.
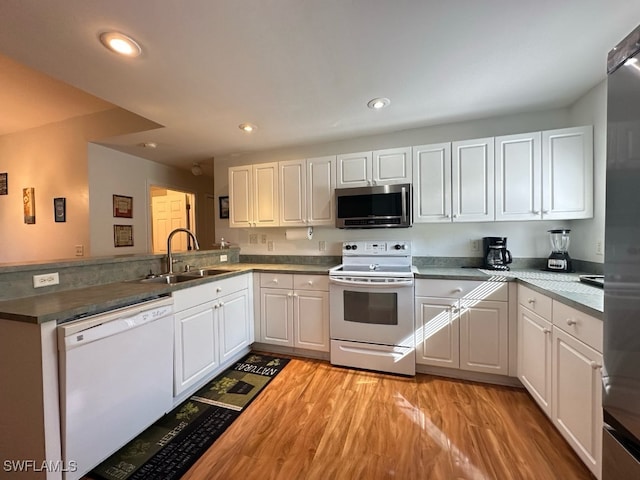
<point x="115" y="326"/>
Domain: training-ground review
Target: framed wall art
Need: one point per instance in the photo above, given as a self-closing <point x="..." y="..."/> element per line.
<point x="29" y="202"/>
<point x="122" y="206"/>
<point x="60" y="209"/>
<point x="4" y="183"/>
<point x="224" y="207"/>
<point x="123" y="235"/>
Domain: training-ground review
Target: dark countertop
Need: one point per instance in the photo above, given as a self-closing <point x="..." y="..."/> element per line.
<point x="66" y="305"/>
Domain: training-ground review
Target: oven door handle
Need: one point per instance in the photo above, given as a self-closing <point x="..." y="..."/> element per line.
<point x="393" y="284"/>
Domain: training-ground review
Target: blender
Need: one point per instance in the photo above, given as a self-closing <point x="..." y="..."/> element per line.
<point x="559" y="260"/>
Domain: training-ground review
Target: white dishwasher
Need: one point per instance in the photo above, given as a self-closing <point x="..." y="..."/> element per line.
<point x="116" y="379"/>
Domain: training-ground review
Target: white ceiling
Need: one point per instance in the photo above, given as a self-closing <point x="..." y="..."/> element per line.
<point x="304" y="70"/>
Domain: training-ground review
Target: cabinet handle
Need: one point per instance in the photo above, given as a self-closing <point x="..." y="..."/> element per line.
<point x="446" y="215"/>
<point x="546" y="331"/>
<point x="310" y="282"/>
<point x="455" y="215"/>
<point x="219" y="289"/>
<point x="457" y="290"/>
<point x="571" y="322"/>
<point x="455" y="309"/>
<point x="545" y="211"/>
<point x="595" y="365"/>
<point x="275" y="280"/>
<point x="290" y="294"/>
<point x="221" y="304"/>
<point x="216" y="306"/>
<point x="536" y="212"/>
<point x="295" y="294"/>
<point x="531" y="301"/>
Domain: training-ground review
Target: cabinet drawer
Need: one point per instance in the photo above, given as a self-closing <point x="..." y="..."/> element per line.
<point x="584" y="327"/>
<point x="276" y="280"/>
<point x="534" y="301"/>
<point x="311" y="282"/>
<point x="233" y="284"/>
<point x="469" y="289"/>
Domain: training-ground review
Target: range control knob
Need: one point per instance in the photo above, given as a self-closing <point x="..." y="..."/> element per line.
<point x="400" y="246"/>
<point x="347" y="247"/>
<point x="354" y="247"/>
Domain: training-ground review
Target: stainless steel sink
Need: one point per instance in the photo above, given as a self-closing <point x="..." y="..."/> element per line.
<point x="170" y="278"/>
<point x="205" y="272"/>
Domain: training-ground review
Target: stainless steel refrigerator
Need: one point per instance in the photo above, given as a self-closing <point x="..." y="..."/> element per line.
<point x="621" y="371"/>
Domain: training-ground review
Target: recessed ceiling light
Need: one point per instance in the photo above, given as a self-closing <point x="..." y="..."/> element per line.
<point x="378" y="103"/>
<point x="247" y="127"/>
<point x="120" y="43"/>
<point x="196" y="169"/>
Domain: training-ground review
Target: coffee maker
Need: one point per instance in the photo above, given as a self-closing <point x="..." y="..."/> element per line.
<point x="496" y="255"/>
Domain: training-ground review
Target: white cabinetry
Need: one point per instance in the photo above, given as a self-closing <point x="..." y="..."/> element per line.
<point x="213" y="324"/>
<point x="306" y="191"/>
<point x="432" y="183"/>
<point x="294" y="310"/>
<point x="559" y="363"/>
<point x="545" y="175"/>
<point x="472" y="176"/>
<point x="253" y="195"/>
<point x="381" y="167"/>
<point x="462" y="324"/>
<point x="534" y="345"/>
<point x="567" y="173"/>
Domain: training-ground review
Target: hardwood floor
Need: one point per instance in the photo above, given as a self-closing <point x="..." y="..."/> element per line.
<point x="315" y="421"/>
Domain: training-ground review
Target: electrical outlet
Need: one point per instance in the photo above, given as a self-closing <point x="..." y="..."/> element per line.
<point x="270" y="246"/>
<point x="253" y="238"/>
<point x="475" y="246"/>
<point x="322" y="245"/>
<point x="263" y="238"/>
<point x="599" y="249"/>
<point x="223" y="258"/>
<point x="45" y="280"/>
<point x="79" y="250"/>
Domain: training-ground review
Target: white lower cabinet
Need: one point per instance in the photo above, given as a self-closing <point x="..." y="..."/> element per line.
<point x="294" y="311"/>
<point x="213" y="323"/>
<point x="559" y="363"/>
<point x="462" y="324"/>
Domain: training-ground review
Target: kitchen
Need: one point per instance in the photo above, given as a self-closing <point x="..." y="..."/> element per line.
<point x="526" y="239"/>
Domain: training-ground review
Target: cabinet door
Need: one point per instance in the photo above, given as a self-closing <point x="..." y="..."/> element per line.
<point x="233" y="323"/>
<point x="534" y="356"/>
<point x="276" y="316"/>
<point x="567" y="173"/>
<point x="354" y="170"/>
<point x="432" y="183"/>
<point x="241" y="196"/>
<point x="293" y="196"/>
<point x="473" y="180"/>
<point x="484" y="336"/>
<point x="311" y="320"/>
<point x="437" y="332"/>
<point x="577" y="397"/>
<point x="265" y="195"/>
<point x="196" y="350"/>
<point x="391" y="166"/>
<point x="518" y="177"/>
<point x="321" y="182"/>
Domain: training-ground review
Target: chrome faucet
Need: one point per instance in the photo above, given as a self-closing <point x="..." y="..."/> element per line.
<point x="169" y="254"/>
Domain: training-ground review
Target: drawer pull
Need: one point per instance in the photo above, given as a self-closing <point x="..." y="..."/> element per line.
<point x="532" y="301"/>
<point x="310" y="282"/>
<point x="275" y="280"/>
<point x="457" y="290"/>
<point x="219" y="289"/>
<point x="571" y="322"/>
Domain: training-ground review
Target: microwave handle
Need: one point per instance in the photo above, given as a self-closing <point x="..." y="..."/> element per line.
<point x="404" y="205"/>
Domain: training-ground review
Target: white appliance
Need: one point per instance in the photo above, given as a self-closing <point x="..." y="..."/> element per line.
<point x="116" y="379"/>
<point x="371" y="313"/>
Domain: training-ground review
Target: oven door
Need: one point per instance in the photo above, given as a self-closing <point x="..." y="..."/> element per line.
<point x="372" y="310"/>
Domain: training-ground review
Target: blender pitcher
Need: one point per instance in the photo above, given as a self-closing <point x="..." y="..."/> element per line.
<point x="559" y="260"/>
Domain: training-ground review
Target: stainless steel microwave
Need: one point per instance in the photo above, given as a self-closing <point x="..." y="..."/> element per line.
<point x="381" y="206"/>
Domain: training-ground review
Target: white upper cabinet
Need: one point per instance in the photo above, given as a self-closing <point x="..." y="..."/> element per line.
<point x="432" y="183"/>
<point x="381" y="167"/>
<point x="306" y="192"/>
<point x="518" y="177"/>
<point x="472" y="176"/>
<point x="253" y="195"/>
<point x="567" y="173"/>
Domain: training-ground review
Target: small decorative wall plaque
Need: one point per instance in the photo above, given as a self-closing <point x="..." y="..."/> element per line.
<point x="4" y="183"/>
<point x="123" y="235"/>
<point x="29" y="201"/>
<point x="122" y="206"/>
<point x="60" y="209"/>
<point x="224" y="207"/>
